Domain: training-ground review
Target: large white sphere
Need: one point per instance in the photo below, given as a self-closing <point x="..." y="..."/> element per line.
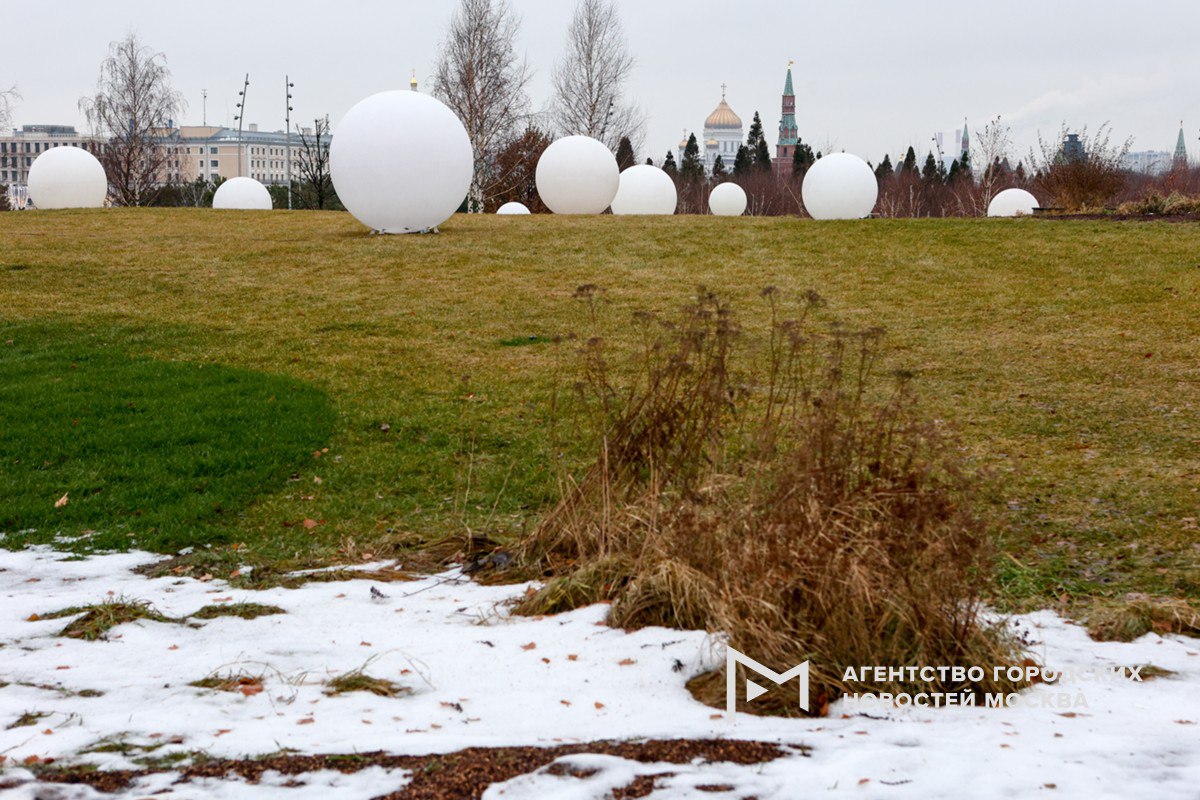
<point x="67" y="177"/>
<point x="727" y="200"/>
<point x="401" y="162"/>
<point x="577" y="175"/>
<point x="244" y="194"/>
<point x="840" y="186"/>
<point x="645" y="189"/>
<point x="512" y="208"/>
<point x="1012" y="203"/>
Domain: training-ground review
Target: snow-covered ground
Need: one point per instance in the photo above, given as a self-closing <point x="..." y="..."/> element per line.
<point x="482" y="678"/>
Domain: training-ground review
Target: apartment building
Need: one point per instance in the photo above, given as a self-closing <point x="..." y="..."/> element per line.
<point x="20" y="147"/>
<point x="211" y="152"/>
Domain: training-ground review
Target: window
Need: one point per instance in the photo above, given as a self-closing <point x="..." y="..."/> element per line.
<point x="214" y="164"/>
<point x="212" y="151"/>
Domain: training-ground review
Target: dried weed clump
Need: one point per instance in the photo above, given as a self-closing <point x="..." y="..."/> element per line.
<point x="777" y="489"/>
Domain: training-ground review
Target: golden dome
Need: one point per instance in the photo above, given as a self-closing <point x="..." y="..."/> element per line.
<point x="711" y="143"/>
<point x="723" y="117"/>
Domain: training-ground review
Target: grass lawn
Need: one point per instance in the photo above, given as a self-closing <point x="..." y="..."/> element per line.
<point x="1066" y="352"/>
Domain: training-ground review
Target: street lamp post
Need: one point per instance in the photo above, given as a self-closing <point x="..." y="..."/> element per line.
<point x="241" y="115"/>
<point x="288" y="137"/>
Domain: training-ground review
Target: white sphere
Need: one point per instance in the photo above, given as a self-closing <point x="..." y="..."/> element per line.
<point x="840" y="186"/>
<point x="67" y="177"/>
<point x="1012" y="203"/>
<point x="401" y="162"/>
<point x="244" y="194"/>
<point x="645" y="189"/>
<point x="512" y="208"/>
<point x="577" y="175"/>
<point x="727" y="200"/>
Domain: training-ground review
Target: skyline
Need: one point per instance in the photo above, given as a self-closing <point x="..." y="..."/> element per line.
<point x="1089" y="69"/>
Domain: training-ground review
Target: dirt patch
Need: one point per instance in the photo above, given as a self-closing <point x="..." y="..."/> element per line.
<point x="463" y="775"/>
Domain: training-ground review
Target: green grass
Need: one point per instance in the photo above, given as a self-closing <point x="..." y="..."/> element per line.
<point x="1064" y="351"/>
<point x="111" y="448"/>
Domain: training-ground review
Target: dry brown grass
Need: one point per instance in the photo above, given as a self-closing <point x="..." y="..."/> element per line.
<point x="779" y="492"/>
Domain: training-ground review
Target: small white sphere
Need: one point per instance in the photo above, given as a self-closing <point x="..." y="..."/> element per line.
<point x="67" y="177"/>
<point x="1012" y="203"/>
<point x="645" y="189"/>
<point x="512" y="208"/>
<point x="577" y="175"/>
<point x="245" y="194"/>
<point x="840" y="186"/>
<point x="401" y="162"/>
<point x="727" y="200"/>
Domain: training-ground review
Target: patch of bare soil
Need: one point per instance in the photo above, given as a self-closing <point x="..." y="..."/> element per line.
<point x="462" y="775"/>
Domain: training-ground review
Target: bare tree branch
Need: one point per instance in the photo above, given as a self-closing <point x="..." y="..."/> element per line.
<point x="8" y="99"/>
<point x="589" y="80"/>
<point x="316" y="181"/>
<point x="132" y="109"/>
<point x="482" y="79"/>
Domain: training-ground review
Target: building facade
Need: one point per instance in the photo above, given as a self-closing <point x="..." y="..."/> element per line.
<point x="722" y="136"/>
<point x="210" y="152"/>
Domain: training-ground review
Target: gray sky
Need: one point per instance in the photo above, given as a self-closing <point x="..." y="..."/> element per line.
<point x="871" y="77"/>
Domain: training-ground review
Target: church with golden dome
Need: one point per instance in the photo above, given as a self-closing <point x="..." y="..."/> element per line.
<point x="722" y="136"/>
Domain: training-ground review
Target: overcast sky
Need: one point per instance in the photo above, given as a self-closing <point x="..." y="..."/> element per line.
<point x="870" y="77"/>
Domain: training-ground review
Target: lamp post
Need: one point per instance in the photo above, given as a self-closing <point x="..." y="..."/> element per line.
<point x="241" y="119"/>
<point x="288" y="137"/>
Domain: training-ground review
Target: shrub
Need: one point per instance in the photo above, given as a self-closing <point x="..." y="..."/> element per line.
<point x="777" y="490"/>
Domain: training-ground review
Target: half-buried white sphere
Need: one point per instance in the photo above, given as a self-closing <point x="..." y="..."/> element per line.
<point x="645" y="189"/>
<point x="401" y="162"/>
<point x="1012" y="203"/>
<point x="67" y="177"/>
<point x="512" y="208"/>
<point x="244" y="194"/>
<point x="727" y="200"/>
<point x="840" y="186"/>
<point x="577" y="175"/>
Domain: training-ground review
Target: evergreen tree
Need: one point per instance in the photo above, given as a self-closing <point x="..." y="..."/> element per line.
<point x="649" y="161"/>
<point x="929" y="172"/>
<point x="1019" y="174"/>
<point x="692" y="168"/>
<point x="742" y="161"/>
<point x="910" y="161"/>
<point x="756" y="133"/>
<point x="719" y="170"/>
<point x="762" y="155"/>
<point x="802" y="158"/>
<point x="885" y="168"/>
<point x="625" y="157"/>
<point x="955" y="172"/>
<point x="964" y="164"/>
<point x="669" y="164"/>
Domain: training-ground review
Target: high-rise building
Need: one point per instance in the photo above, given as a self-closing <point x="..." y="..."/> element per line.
<point x="789" y="136"/>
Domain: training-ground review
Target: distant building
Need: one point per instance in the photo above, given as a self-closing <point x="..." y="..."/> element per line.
<point x="789" y="135"/>
<point x="723" y="134"/>
<point x="19" y="149"/>
<point x="1072" y="149"/>
<point x="1147" y="162"/>
<point x="952" y="144"/>
<point x="1180" y="160"/>
<point x="211" y="152"/>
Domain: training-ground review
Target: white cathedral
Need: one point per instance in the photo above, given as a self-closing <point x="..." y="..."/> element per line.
<point x="722" y="137"/>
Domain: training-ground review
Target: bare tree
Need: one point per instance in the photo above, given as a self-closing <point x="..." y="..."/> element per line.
<point x="316" y="182"/>
<point x="8" y="99"/>
<point x="990" y="149"/>
<point x="483" y="80"/>
<point x="132" y="109"/>
<point x="1085" y="177"/>
<point x="589" y="80"/>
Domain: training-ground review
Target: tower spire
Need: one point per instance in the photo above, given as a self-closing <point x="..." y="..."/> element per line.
<point x="1181" y="158"/>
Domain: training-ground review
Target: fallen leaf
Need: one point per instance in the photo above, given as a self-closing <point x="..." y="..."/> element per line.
<point x="48" y="732"/>
<point x="62" y="501"/>
<point x="530" y="646"/>
<point x="565" y="702"/>
<point x="545" y="660"/>
<point x="310" y="524"/>
<point x="250" y="689"/>
<point x="572" y="657"/>
<point x="32" y="618"/>
<point x="173" y="647"/>
<point x="598" y="705"/>
<point x="306" y="721"/>
<point x="364" y="644"/>
<point x="223" y="731"/>
<point x="625" y="662"/>
<point x="861" y="781"/>
<point x="1185" y="722"/>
